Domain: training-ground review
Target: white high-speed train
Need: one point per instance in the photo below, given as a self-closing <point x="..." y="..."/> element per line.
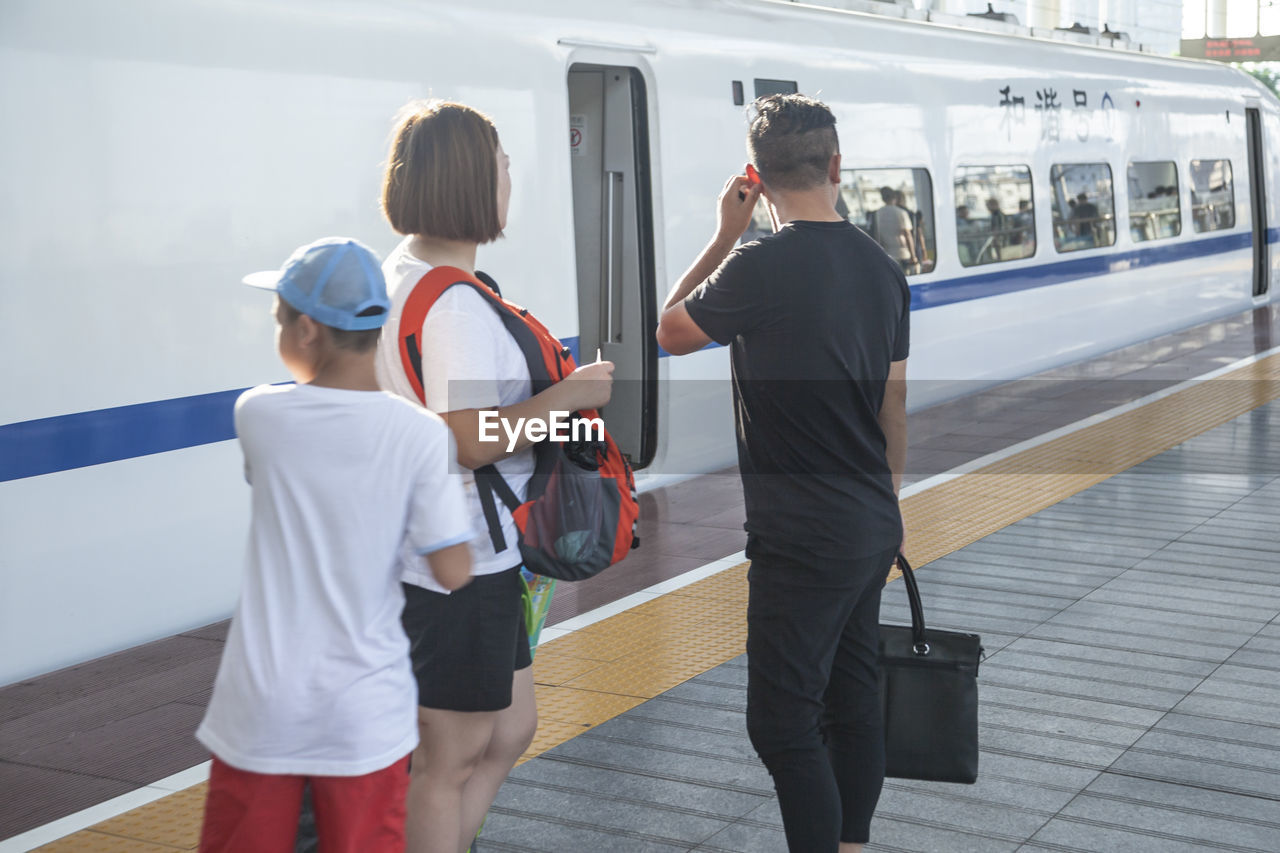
<point x="1067" y="200"/>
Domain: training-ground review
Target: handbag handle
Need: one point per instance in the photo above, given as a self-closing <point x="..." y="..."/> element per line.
<point x="919" y="645"/>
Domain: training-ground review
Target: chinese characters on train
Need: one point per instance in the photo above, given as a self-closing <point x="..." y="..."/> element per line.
<point x="1053" y="116"/>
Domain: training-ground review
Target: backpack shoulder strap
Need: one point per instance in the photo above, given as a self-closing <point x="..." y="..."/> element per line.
<point x="523" y="328"/>
<point x="424" y="295"/>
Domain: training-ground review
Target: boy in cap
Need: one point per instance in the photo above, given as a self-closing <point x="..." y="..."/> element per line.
<point x="350" y="484"/>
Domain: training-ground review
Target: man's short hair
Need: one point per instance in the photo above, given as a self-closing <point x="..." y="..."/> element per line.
<point x="442" y="173"/>
<point x="791" y="141"/>
<point x="355" y="340"/>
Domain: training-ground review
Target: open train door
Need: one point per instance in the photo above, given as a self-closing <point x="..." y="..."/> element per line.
<point x="1258" y="202"/>
<point x="613" y="231"/>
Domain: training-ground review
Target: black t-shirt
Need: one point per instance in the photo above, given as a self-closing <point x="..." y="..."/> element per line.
<point x="813" y="314"/>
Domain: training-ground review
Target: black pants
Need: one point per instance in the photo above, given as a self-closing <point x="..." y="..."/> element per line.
<point x="813" y="700"/>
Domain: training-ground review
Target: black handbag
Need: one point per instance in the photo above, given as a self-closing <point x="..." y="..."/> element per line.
<point x="929" y="694"/>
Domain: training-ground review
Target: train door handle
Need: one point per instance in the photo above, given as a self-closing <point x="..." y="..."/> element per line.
<point x="611" y="299"/>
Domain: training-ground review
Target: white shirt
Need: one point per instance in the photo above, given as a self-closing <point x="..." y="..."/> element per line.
<point x="469" y="361"/>
<point x="315" y="678"/>
<point x="893" y="226"/>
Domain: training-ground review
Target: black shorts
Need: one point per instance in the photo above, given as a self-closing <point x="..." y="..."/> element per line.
<point x="465" y="646"/>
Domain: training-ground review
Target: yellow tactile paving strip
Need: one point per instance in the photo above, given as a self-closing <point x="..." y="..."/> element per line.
<point x="598" y="672"/>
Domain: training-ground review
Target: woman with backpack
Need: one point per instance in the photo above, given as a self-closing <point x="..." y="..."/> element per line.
<point x="447" y="188"/>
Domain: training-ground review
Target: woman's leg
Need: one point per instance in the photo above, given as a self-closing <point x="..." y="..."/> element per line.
<point x="513" y="731"/>
<point x="452" y="747"/>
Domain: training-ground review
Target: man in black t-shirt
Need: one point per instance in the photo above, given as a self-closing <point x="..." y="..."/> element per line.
<point x="816" y="316"/>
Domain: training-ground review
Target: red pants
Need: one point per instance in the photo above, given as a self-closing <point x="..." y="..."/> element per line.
<point x="258" y="813"/>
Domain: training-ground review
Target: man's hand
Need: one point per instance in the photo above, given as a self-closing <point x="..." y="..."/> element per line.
<point x="737" y="200"/>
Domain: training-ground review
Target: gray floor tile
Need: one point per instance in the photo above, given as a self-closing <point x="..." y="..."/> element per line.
<point x="1221" y="777"/>
<point x="942" y="587"/>
<point x="1167" y="821"/>
<point x="1068" y="546"/>
<point x="1264" y="659"/>
<point x="1250" y="597"/>
<point x="747" y="838"/>
<point x="1050" y="723"/>
<point x="1224" y="556"/>
<point x="1048" y="747"/>
<point x="991" y="789"/>
<point x="1187" y="798"/>
<point x="1023" y="769"/>
<point x="1166" y="742"/>
<point x="693" y="691"/>
<point x="1051" y="650"/>
<point x="1127" y="640"/>
<point x="1082" y="687"/>
<point x="1247" y="674"/>
<point x="1235" y="710"/>
<point x="1087" y="838"/>
<point x="919" y="837"/>
<point x="1262" y="690"/>
<point x="1010" y="658"/>
<point x="663" y="708"/>
<point x="710" y="797"/>
<point x="1150" y="634"/>
<point x="1138" y="614"/>
<point x="746" y="776"/>
<point x="1073" y="705"/>
<point x="1219" y="729"/>
<point x="509" y="831"/>
<point x="592" y="810"/>
<point x="1099" y="558"/>
<point x="991" y="613"/>
<point x="673" y="737"/>
<point x="1182" y="604"/>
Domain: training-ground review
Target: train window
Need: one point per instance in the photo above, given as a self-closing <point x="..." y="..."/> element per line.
<point x="775" y="87"/>
<point x="1155" y="211"/>
<point x="995" y="214"/>
<point x="1213" y="203"/>
<point x="895" y="206"/>
<point x="1083" y="206"/>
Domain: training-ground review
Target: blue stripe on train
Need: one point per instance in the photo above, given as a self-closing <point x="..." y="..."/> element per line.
<point x="48" y="445"/>
<point x="32" y="448"/>
<point x="933" y="294"/>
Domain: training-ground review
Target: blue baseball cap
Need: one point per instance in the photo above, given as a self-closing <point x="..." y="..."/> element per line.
<point x="336" y="281"/>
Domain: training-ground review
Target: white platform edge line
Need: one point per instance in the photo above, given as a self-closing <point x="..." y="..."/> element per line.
<point x="126" y="802"/>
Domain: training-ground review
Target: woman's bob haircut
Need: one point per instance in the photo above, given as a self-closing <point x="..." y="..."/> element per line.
<point x="442" y="173"/>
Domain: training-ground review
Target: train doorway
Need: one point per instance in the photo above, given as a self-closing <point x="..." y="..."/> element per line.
<point x="613" y="233"/>
<point x="1258" y="203"/>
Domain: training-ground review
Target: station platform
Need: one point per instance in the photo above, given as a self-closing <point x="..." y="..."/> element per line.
<point x="1111" y="529"/>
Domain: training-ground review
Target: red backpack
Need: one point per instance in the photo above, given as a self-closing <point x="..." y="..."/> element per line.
<point x="579" y="514"/>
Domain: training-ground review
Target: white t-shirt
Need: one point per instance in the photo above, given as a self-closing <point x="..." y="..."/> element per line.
<point x="893" y="226"/>
<point x="469" y="361"/>
<point x="315" y="678"/>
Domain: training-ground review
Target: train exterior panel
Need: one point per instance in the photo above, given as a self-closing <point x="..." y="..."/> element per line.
<point x="156" y="152"/>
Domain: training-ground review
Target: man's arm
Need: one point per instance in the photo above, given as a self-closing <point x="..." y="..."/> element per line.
<point x="678" y="334"/>
<point x="893" y="421"/>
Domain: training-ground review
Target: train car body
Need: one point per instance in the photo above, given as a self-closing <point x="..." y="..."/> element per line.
<point x="155" y="152"/>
